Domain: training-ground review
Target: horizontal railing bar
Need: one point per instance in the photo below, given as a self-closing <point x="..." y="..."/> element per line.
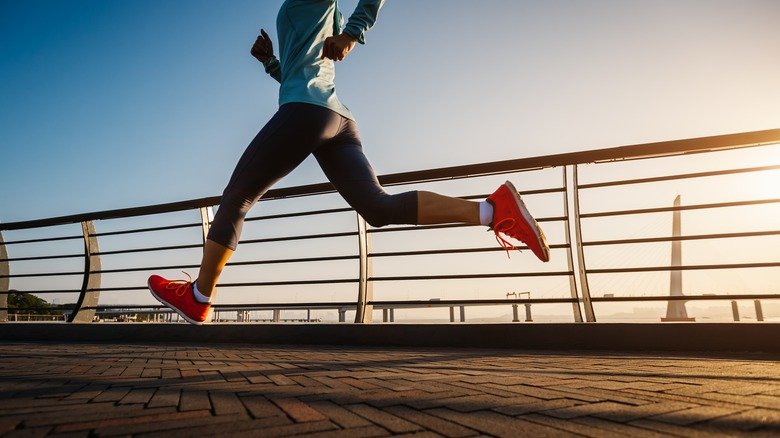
<point x="683" y="268"/>
<point x="299" y="213"/>
<point x="434" y="227"/>
<point x="471" y="276"/>
<point x="148" y="268"/>
<point x="64" y="291"/>
<point x="157" y="248"/>
<point x="224" y="307"/>
<point x="45" y="274"/>
<point x="679" y="238"/>
<point x="680" y="208"/>
<point x="113" y="214"/>
<point x="289" y="283"/>
<point x="646" y="150"/>
<point x="454" y="251"/>
<point x="417" y="227"/>
<point x="486" y="302"/>
<point x="48" y="239"/>
<point x="282" y="306"/>
<point x="246" y="284"/>
<point x="296" y="260"/>
<point x="50" y="309"/>
<point x="247" y="263"/>
<point x="523" y="193"/>
<point x="712" y="297"/>
<point x="309" y="236"/>
<point x="677" y="177"/>
<point x="145" y="230"/>
<point x="52" y="257"/>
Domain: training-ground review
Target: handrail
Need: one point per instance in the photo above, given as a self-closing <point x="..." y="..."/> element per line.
<point x="580" y="299"/>
<point x="644" y="150"/>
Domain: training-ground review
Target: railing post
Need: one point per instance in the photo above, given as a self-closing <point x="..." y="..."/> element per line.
<point x="365" y="291"/>
<point x="452" y="313"/>
<point x="5" y="282"/>
<point x="90" y="293"/>
<point x="206" y="218"/>
<point x="759" y="310"/>
<point x="569" y="257"/>
<point x="515" y="315"/>
<point x="590" y="316"/>
<point x="734" y="310"/>
<point x="342" y="314"/>
<point x="462" y="313"/>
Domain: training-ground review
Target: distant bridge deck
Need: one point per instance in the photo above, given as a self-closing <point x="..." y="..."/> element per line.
<point x="191" y="389"/>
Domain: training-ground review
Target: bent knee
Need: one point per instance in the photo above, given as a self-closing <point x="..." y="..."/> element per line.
<point x="390" y="209"/>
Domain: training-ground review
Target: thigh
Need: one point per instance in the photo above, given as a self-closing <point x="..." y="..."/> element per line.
<point x="294" y="132"/>
<point x="346" y="166"/>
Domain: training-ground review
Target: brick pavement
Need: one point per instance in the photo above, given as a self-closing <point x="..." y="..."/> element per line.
<point x="184" y="390"/>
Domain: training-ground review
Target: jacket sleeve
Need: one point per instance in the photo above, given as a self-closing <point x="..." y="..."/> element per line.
<point x="363" y="19"/>
<point x="273" y="68"/>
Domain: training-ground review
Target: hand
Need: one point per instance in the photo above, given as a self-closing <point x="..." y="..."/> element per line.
<point x="263" y="48"/>
<point x="338" y="46"/>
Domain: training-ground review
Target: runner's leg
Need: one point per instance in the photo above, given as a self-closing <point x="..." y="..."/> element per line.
<point x="288" y="138"/>
<point x="345" y="165"/>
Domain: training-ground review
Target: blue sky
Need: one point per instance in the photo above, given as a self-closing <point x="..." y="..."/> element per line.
<point x="108" y="104"/>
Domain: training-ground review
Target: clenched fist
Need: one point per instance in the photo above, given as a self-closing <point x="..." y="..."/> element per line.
<point x="263" y="48"/>
<point x="338" y="46"/>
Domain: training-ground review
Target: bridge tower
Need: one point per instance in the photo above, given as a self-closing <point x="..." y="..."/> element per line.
<point x="675" y="310"/>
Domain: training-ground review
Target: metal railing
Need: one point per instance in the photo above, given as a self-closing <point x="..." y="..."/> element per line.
<point x="573" y="244"/>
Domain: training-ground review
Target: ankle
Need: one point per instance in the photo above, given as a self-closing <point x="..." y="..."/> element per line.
<point x="200" y="296"/>
<point x="485" y="213"/>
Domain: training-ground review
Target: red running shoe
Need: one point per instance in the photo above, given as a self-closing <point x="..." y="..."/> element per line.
<point x="177" y="294"/>
<point x="511" y="217"/>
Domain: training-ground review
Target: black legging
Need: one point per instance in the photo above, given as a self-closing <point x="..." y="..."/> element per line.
<point x="294" y="132"/>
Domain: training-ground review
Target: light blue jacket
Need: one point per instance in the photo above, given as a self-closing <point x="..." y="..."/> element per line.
<point x="302" y="26"/>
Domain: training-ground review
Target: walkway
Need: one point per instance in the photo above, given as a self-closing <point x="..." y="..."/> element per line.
<point x="186" y="390"/>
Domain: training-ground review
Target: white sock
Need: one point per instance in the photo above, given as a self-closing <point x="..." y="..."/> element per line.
<point x="199" y="297"/>
<point x="485" y="213"/>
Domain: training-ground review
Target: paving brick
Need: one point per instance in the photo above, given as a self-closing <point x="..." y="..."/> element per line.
<point x="496" y="424"/>
<point x="749" y="420"/>
<point x="194" y="400"/>
<point x="696" y="414"/>
<point x="343" y="417"/>
<point x="137" y="396"/>
<point x="165" y="397"/>
<point x="260" y="407"/>
<point x="125" y="421"/>
<point x="112" y="394"/>
<point x="536" y="406"/>
<point x="384" y="419"/>
<point x="570" y="427"/>
<point x="224" y="403"/>
<point x="206" y="425"/>
<point x="281" y="379"/>
<point x="287" y="430"/>
<point x="430" y="422"/>
<point x="298" y="410"/>
<point x="358" y="432"/>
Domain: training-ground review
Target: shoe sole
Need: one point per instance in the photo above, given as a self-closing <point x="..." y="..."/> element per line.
<point x="539" y="234"/>
<point x="175" y="309"/>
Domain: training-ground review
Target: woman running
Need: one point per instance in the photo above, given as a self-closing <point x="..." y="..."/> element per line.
<point x="312" y="120"/>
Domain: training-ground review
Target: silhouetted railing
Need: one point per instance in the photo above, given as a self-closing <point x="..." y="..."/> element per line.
<point x="572" y="246"/>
